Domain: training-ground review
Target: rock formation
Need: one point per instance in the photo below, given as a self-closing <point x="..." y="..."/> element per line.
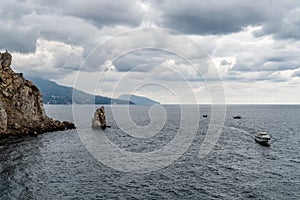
<point x="21" y="107"/>
<point x="99" y="120"/>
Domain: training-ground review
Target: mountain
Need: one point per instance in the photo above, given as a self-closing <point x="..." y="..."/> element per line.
<point x="138" y="100"/>
<point x="54" y="93"/>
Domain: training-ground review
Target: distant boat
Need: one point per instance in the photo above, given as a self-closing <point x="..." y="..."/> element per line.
<point x="237" y="117"/>
<point x="204" y="116"/>
<point x="262" y="138"/>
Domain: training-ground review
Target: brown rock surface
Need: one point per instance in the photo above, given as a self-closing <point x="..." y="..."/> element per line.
<point x="21" y="106"/>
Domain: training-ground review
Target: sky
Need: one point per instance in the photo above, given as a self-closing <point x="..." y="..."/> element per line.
<point x="197" y="51"/>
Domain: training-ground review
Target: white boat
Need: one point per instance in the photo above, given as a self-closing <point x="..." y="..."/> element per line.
<point x="262" y="138"/>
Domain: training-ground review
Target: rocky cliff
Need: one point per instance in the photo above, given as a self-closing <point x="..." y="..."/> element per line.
<point x="21" y="107"/>
<point x="99" y="120"/>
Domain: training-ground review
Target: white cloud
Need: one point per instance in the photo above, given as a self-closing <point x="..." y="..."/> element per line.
<point x="51" y="60"/>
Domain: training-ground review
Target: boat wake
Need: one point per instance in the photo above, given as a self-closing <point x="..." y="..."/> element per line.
<point x="240" y="130"/>
<point x="249" y="133"/>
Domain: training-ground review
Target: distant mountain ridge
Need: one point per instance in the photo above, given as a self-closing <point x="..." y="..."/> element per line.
<point x="54" y="93"/>
<point x="138" y="100"/>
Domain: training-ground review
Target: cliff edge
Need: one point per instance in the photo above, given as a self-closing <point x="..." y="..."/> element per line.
<point x="21" y="106"/>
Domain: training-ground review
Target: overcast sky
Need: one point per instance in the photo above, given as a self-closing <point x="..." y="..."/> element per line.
<point x="253" y="45"/>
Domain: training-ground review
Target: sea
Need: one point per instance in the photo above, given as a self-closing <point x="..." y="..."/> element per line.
<point x="153" y="153"/>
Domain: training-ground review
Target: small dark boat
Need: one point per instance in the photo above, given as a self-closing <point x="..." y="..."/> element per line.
<point x="262" y="138"/>
<point x="204" y="116"/>
<point x="237" y="117"/>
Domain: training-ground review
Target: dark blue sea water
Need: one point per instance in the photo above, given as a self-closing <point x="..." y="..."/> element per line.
<point x="58" y="166"/>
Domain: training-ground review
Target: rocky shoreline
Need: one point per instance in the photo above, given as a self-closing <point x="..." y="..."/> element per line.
<point x="21" y="107"/>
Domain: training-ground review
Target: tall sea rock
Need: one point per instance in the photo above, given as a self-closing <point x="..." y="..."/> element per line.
<point x="21" y="106"/>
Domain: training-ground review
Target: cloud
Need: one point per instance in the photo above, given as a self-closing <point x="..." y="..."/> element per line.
<point x="296" y="73"/>
<point x="280" y="19"/>
<point x="285" y="27"/>
<point x="214" y="17"/>
<point x="79" y="23"/>
<point x="99" y="12"/>
<point x="241" y="56"/>
<point x="51" y="60"/>
<point x="253" y="62"/>
<point x="225" y="62"/>
<point x="249" y="42"/>
<point x="140" y="60"/>
<point x="268" y="58"/>
<point x="261" y="92"/>
<point x="17" y="38"/>
<point x="144" y="46"/>
<point x="104" y="12"/>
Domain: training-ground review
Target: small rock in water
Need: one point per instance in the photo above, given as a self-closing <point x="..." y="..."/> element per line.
<point x="99" y="120"/>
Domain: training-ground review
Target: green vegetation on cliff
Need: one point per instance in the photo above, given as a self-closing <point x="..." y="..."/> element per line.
<point x="54" y="93"/>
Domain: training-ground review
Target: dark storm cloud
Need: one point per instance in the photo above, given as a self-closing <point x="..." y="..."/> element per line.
<point x="72" y="22"/>
<point x="15" y="9"/>
<point x="99" y="12"/>
<point x="83" y="24"/>
<point x="287" y="26"/>
<point x="213" y="17"/>
<point x="106" y="12"/>
<point x="17" y="39"/>
<point x="280" y="18"/>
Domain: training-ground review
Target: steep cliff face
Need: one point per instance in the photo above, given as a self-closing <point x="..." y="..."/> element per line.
<point x="21" y="107"/>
